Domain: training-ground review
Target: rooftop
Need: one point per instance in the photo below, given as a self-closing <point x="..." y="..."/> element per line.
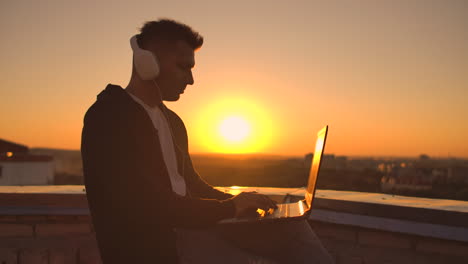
<point x="356" y="227"/>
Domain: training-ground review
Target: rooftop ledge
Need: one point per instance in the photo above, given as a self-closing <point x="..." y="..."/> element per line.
<point x="444" y="219"/>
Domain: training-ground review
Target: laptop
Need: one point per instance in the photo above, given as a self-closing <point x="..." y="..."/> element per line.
<point x="297" y="210"/>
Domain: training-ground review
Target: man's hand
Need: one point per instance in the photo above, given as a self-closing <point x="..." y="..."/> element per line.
<point x="246" y="201"/>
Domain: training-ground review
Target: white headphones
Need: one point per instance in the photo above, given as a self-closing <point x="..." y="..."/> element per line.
<point x="146" y="63"/>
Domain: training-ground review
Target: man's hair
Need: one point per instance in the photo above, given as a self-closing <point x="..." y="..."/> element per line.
<point x="169" y="31"/>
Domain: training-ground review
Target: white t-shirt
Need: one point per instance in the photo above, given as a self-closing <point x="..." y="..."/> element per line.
<point x="167" y="145"/>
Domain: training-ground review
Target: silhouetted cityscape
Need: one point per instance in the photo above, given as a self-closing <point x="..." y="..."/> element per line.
<point x="421" y="176"/>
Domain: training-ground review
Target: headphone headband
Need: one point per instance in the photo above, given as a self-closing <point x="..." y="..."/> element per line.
<point x="134" y="43"/>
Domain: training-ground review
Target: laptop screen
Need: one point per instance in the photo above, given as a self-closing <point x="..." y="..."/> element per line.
<point x="315" y="167"/>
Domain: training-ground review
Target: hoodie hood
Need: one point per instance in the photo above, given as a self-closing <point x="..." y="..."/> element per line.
<point x="113" y="93"/>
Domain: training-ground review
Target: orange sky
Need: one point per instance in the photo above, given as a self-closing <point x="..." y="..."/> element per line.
<point x="388" y="77"/>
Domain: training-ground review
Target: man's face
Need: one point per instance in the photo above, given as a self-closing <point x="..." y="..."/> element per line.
<point x="175" y="70"/>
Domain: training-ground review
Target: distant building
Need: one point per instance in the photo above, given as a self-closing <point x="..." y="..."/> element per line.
<point x="329" y="161"/>
<point x="422" y="173"/>
<point x="19" y="167"/>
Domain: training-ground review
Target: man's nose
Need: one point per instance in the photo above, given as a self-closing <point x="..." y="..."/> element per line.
<point x="190" y="80"/>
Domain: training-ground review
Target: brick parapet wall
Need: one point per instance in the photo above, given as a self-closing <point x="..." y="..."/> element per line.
<point x="47" y="239"/>
<point x="43" y="226"/>
<point x="54" y="239"/>
<point x="350" y="244"/>
<point x="50" y="239"/>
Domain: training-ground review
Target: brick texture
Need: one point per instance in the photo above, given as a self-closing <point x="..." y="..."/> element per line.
<point x="8" y="256"/>
<point x="61" y="229"/>
<point x="31" y="218"/>
<point x="61" y="218"/>
<point x="83" y="218"/>
<point x="15" y="230"/>
<point x="350" y="260"/>
<point x="378" y="255"/>
<point x="443" y="247"/>
<point x="335" y="232"/>
<point x="69" y="239"/>
<point x="89" y="255"/>
<point x="63" y="256"/>
<point x="7" y="218"/>
<point x="383" y="239"/>
<point x="34" y="256"/>
<point x="337" y="248"/>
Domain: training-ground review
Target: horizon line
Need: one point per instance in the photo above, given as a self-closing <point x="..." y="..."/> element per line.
<point x="295" y="155"/>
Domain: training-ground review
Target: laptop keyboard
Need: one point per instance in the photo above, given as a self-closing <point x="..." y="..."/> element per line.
<point x="281" y="211"/>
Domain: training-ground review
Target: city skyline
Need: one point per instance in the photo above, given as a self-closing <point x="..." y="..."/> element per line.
<point x="388" y="77"/>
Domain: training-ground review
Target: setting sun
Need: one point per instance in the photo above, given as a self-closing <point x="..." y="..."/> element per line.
<point x="234" y="125"/>
<point x="234" y="129"/>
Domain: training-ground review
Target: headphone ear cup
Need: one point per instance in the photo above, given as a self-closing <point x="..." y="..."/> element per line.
<point x="146" y="63"/>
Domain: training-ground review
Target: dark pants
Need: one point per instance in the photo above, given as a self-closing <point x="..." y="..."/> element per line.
<point x="275" y="242"/>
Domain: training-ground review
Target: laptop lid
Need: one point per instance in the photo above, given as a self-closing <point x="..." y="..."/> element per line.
<point x="315" y="167"/>
<point x="299" y="207"/>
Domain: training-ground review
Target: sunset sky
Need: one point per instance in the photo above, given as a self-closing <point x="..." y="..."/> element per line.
<point x="390" y="78"/>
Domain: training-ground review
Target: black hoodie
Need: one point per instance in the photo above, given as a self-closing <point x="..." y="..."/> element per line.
<point x="133" y="207"/>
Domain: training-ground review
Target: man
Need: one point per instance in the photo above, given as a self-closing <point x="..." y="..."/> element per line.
<point x="147" y="202"/>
